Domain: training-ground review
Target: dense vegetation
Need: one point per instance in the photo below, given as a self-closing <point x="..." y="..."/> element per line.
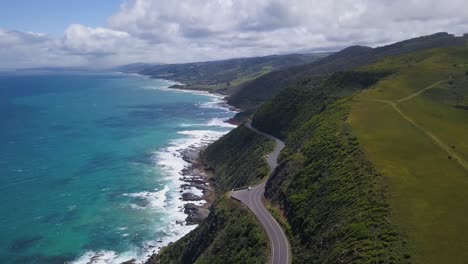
<point x="292" y="107"/>
<point x="266" y="87"/>
<point x="223" y="76"/>
<point x="229" y="235"/>
<point x="362" y="182"/>
<point x="332" y="197"/>
<point x="375" y="168"/>
<point x="237" y="158"/>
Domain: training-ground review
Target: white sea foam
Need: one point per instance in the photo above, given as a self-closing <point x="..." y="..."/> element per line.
<point x="104" y="257"/>
<point x="175" y="90"/>
<point x="135" y="206"/>
<point x="155" y="199"/>
<point x="171" y="162"/>
<point x="214" y="122"/>
<point x="188" y="125"/>
<point x="194" y="190"/>
<point x="218" y="122"/>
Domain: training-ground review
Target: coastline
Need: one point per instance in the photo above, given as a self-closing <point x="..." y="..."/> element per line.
<point x="196" y="188"/>
<point x="195" y="174"/>
<point x="188" y="194"/>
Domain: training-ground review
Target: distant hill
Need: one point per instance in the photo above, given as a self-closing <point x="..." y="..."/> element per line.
<point x="133" y="67"/>
<point x="222" y="76"/>
<point x="253" y="94"/>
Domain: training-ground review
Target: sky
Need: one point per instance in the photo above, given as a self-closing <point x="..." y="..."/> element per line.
<point x="104" y="33"/>
<point x="54" y="16"/>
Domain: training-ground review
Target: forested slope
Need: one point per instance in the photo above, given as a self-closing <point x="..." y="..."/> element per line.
<point x="373" y="171"/>
<point x="374" y="165"/>
<point x="230" y="234"/>
<point x="332" y="197"/>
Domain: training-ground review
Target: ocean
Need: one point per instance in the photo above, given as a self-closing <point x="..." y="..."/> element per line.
<point x="90" y="164"/>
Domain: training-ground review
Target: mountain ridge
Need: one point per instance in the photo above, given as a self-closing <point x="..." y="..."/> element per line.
<point x="253" y="94"/>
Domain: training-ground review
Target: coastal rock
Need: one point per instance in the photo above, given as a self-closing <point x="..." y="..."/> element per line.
<point x="191" y="197"/>
<point x="195" y="176"/>
<point x="195" y="214"/>
<point x="202" y="186"/>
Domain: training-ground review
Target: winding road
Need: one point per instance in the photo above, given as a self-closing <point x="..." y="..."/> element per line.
<point x="279" y="245"/>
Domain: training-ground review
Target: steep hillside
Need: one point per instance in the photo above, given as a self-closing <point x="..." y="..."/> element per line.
<point x="267" y="86"/>
<point x="237" y="158"/>
<point x="293" y="106"/>
<point x="333" y="198"/>
<point x="375" y="167"/>
<point x="226" y="75"/>
<point x="230" y="234"/>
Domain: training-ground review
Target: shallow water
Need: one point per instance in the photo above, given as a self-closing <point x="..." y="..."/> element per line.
<point x="89" y="164"/>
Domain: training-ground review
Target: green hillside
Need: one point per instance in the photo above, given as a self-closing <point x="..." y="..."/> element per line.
<point x="230" y="234"/>
<point x="413" y="127"/>
<point x="333" y="198"/>
<point x="224" y="76"/>
<point x="253" y="94"/>
<point x="375" y="167"/>
<point x="237" y="158"/>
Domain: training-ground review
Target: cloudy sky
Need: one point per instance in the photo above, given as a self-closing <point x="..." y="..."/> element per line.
<point x="112" y="32"/>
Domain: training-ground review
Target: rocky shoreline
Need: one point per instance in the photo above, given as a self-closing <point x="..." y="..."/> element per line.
<point x="196" y="176"/>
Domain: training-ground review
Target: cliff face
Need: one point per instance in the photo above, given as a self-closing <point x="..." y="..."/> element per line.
<point x="230" y="234"/>
<point x="237" y="158"/>
<point x="333" y="198"/>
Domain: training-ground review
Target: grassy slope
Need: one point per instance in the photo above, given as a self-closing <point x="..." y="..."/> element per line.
<point x="436" y="110"/>
<point x="331" y="195"/>
<point x="230" y="234"/>
<point x="266" y="87"/>
<point x="429" y="197"/>
<point x="343" y="208"/>
<point x="349" y="192"/>
<point x="297" y="104"/>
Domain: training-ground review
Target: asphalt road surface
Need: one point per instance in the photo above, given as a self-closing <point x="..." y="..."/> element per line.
<point x="279" y="244"/>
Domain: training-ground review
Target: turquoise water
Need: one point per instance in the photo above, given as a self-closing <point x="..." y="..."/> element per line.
<point x="89" y="164"/>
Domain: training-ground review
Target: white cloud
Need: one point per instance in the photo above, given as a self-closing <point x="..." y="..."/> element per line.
<point x="180" y="31"/>
<point x="93" y="41"/>
<point x="25" y="49"/>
